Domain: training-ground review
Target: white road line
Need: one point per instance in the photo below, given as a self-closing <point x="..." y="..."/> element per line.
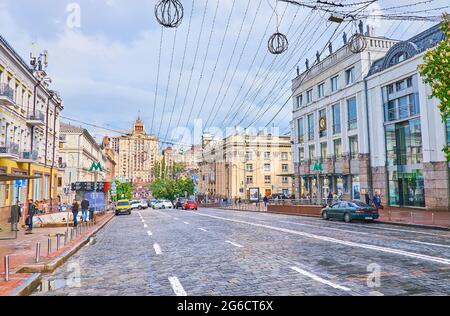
<point x="203" y="230"/>
<point x="149" y="233"/>
<point x="325" y="227"/>
<point x="157" y="249"/>
<point x="176" y="218"/>
<point x="338" y="241"/>
<point x="187" y="223"/>
<point x="145" y="226"/>
<point x="319" y="279"/>
<point x="429" y="243"/>
<point x="234" y="244"/>
<point x="177" y="287"/>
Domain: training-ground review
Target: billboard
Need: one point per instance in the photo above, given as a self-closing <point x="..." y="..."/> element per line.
<point x="254" y="194"/>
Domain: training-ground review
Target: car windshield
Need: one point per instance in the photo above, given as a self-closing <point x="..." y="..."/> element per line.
<point x="123" y="204"/>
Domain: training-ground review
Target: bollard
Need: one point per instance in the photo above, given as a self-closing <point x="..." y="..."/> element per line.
<point x="38" y="252"/>
<point x="49" y="247"/>
<point x="65" y="238"/>
<point x="6" y="268"/>
<point x="412" y="219"/>
<point x="432" y="217"/>
<point x="58" y="242"/>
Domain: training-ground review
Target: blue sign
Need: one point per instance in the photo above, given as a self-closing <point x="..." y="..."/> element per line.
<point x="96" y="200"/>
<point x="20" y="183"/>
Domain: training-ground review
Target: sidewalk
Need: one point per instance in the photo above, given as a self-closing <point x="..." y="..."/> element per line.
<point x="22" y="253"/>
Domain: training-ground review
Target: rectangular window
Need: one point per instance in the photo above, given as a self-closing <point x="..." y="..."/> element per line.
<point x="284" y="156"/>
<point x="248" y="155"/>
<point x="267" y="179"/>
<point x="312" y="152"/>
<point x="249" y="167"/>
<point x="350" y="76"/>
<point x="299" y="101"/>
<point x="323" y="151"/>
<point x="337" y="149"/>
<point x="301" y="154"/>
<point x="249" y="180"/>
<point x="285" y="180"/>
<point x="311" y="127"/>
<point x="285" y="168"/>
<point x="352" y="113"/>
<point x="334" y="83"/>
<point x="267" y="155"/>
<point x="300" y="130"/>
<point x="267" y="167"/>
<point x="354" y="150"/>
<point x="336" y="119"/>
<point x="309" y="96"/>
<point x="321" y="90"/>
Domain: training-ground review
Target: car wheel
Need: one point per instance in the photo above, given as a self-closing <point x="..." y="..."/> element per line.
<point x="140" y="207"/>
<point x="129" y="213"/>
<point x="325" y="215"/>
<point x="117" y="213"/>
<point x="347" y="218"/>
<point x="163" y="207"/>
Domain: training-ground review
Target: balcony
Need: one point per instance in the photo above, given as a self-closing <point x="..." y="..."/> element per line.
<point x="29" y="156"/>
<point x="7" y="96"/>
<point x="10" y="151"/>
<point x="36" y="119"/>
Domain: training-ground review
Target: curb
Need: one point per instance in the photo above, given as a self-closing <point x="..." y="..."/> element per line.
<point x="61" y="259"/>
<point x="443" y="228"/>
<point x="27" y="286"/>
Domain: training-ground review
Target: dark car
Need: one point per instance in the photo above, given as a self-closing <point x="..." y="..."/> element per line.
<point x="350" y="210"/>
<point x="179" y="203"/>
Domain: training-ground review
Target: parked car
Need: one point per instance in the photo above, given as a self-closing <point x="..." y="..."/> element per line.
<point x="190" y="205"/>
<point x="162" y="204"/>
<point x="151" y="202"/>
<point x="135" y="204"/>
<point x="123" y="207"/>
<point x="350" y="210"/>
<point x="179" y="203"/>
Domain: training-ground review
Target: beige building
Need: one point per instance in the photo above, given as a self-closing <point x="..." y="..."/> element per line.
<point x="240" y="164"/>
<point x="29" y="132"/>
<point x="137" y="154"/>
<point x="78" y="151"/>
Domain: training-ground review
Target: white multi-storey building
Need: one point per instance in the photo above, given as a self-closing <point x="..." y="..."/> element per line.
<point x="329" y="126"/>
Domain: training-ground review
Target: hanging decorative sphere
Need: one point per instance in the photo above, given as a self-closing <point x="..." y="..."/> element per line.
<point x="278" y="43"/>
<point x="357" y="43"/>
<point x="169" y="13"/>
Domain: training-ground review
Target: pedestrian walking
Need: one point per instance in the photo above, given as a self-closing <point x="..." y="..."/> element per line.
<point x="91" y="214"/>
<point x="75" y="210"/>
<point x="330" y="198"/>
<point x="16" y="214"/>
<point x="377" y="201"/>
<point x="84" y="209"/>
<point x="31" y="212"/>
<point x="266" y="201"/>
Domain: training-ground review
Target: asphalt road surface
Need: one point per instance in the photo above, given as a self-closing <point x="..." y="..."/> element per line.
<point x="223" y="252"/>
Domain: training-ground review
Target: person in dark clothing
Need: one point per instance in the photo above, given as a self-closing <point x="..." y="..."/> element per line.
<point x="75" y="210"/>
<point x="367" y="198"/>
<point x="84" y="209"/>
<point x="266" y="200"/>
<point x="330" y="198"/>
<point x="31" y="213"/>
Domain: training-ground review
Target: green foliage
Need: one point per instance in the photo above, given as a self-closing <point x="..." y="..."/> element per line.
<point x="170" y="188"/>
<point x="123" y="188"/>
<point x="436" y="72"/>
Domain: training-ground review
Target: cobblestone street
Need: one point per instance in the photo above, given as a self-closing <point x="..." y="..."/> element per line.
<point x="221" y="252"/>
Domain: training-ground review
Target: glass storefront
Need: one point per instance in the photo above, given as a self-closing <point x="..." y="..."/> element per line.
<point x="404" y="160"/>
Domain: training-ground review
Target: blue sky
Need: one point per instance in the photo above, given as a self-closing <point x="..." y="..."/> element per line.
<point x="106" y="70"/>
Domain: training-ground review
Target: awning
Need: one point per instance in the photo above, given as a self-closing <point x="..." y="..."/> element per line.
<point x="13" y="177"/>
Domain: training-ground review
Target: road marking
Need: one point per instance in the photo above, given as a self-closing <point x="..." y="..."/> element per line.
<point x="338" y="241"/>
<point x="177" y="287"/>
<point x="187" y="223"/>
<point x="203" y="230"/>
<point x="319" y="279"/>
<point x="234" y="244"/>
<point x="326" y="227"/>
<point x="157" y="249"/>
<point x="145" y="226"/>
<point x="176" y="218"/>
<point x="429" y="243"/>
<point x="149" y="233"/>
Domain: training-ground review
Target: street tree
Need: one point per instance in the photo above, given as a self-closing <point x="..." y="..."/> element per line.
<point x="436" y="71"/>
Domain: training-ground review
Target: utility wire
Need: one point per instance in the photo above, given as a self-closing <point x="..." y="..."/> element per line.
<point x="157" y="78"/>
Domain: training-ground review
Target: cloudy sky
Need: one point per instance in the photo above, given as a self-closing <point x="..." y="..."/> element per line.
<point x="106" y="68"/>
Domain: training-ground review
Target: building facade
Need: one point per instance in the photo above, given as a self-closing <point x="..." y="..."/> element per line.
<point x="238" y="165"/>
<point x="137" y="154"/>
<point x="78" y="151"/>
<point x="329" y="126"/>
<point x="407" y="134"/>
<point x="29" y="133"/>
